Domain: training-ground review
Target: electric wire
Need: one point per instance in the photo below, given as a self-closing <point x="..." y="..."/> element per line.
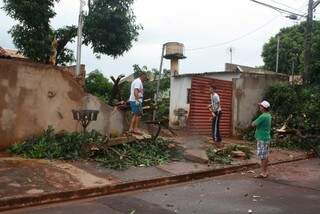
<point x="240" y="37"/>
<point x="235" y="39"/>
<point x="285" y="5"/>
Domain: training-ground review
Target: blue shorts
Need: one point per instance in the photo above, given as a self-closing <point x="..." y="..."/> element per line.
<point x="262" y="149"/>
<point x="136" y="108"/>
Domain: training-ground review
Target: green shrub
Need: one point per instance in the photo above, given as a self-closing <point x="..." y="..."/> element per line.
<point x="298" y="107"/>
<point x="64" y="145"/>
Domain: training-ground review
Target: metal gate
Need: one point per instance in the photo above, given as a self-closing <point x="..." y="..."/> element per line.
<point x="199" y="116"/>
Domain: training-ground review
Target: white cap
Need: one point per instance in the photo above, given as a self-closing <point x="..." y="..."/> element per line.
<point x="265" y="104"/>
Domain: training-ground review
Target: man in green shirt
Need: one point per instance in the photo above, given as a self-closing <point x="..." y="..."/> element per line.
<point x="262" y="135"/>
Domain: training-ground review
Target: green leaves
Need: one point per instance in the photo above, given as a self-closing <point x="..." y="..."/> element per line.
<point x="299" y="107"/>
<point x="110" y="27"/>
<point x="33" y="35"/>
<point x="64" y="145"/>
<point x="141" y="153"/>
<point x="30" y="12"/>
<point x="73" y="146"/>
<point x="224" y="156"/>
<point x="99" y="85"/>
<point x="32" y="42"/>
<point x="292" y="51"/>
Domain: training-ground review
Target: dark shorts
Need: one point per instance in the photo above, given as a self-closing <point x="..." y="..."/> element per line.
<point x="136" y="108"/>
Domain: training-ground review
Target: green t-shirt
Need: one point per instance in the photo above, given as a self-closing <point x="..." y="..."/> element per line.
<point x="263" y="127"/>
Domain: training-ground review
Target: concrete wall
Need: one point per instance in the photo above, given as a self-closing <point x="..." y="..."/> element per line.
<point x="34" y="96"/>
<point x="248" y="90"/>
<point x="178" y="97"/>
<point x="227" y="76"/>
<point x="110" y="120"/>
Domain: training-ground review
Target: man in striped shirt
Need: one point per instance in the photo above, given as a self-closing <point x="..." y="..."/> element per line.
<point x="216" y="111"/>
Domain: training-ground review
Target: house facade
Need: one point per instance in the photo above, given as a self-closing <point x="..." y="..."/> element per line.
<point x="240" y="89"/>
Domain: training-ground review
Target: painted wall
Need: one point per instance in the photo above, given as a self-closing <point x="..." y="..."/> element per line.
<point x="35" y="96"/>
<point x="248" y="90"/>
<point x="178" y="97"/>
<point x="110" y="120"/>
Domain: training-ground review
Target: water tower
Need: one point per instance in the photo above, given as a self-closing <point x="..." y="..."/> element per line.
<point x="174" y="52"/>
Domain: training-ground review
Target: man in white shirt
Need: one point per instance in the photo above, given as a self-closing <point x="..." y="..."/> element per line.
<point x="136" y="99"/>
<point x="216" y="111"/>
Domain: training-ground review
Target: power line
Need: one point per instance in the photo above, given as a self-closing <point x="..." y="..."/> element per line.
<point x="287" y="6"/>
<point x="240" y="37"/>
<point x="235" y="39"/>
<point x="280" y="10"/>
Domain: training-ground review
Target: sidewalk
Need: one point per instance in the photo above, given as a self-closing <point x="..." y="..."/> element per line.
<point x="27" y="182"/>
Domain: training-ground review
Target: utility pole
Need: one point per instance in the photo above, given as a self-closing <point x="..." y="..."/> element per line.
<point x="277" y="60"/>
<point x="231" y="52"/>
<point x="307" y="43"/>
<point x="79" y="35"/>
<point x="158" y="85"/>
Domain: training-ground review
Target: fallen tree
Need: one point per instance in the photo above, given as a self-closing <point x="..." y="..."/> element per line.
<point x="296" y="109"/>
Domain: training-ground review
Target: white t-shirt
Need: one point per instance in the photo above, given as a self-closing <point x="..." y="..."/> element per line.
<point x="136" y="84"/>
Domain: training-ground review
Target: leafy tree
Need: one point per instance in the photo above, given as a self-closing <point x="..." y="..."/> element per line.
<point x="301" y="119"/>
<point x="109" y="28"/>
<point x="292" y="50"/>
<point x="33" y="35"/>
<point x="64" y="36"/>
<point x="98" y="85"/>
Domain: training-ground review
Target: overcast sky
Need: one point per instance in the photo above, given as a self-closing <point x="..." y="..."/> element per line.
<point x="241" y="24"/>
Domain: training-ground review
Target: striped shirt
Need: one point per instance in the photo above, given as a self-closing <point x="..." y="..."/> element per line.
<point x="215" y="102"/>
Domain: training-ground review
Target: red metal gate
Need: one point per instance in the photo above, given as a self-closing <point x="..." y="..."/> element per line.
<point x="199" y="117"/>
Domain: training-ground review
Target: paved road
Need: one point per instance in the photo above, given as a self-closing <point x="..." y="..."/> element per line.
<point x="291" y="188"/>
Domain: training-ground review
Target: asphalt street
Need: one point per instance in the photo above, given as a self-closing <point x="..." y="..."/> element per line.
<point x="291" y="188"/>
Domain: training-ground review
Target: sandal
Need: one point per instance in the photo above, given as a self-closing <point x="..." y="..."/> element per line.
<point x="137" y="132"/>
<point x="261" y="176"/>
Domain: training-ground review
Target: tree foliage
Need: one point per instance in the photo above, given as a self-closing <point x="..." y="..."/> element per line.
<point x="75" y="146"/>
<point x="63" y="36"/>
<point x="109" y="28"/>
<point x="292" y="51"/>
<point x="33" y="35"/>
<point x="298" y="107"/>
<point x="98" y="85"/>
<point x="150" y="89"/>
<point x="295" y="113"/>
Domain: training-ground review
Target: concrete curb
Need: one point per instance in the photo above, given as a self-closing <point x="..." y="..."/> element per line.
<point x="27" y="201"/>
